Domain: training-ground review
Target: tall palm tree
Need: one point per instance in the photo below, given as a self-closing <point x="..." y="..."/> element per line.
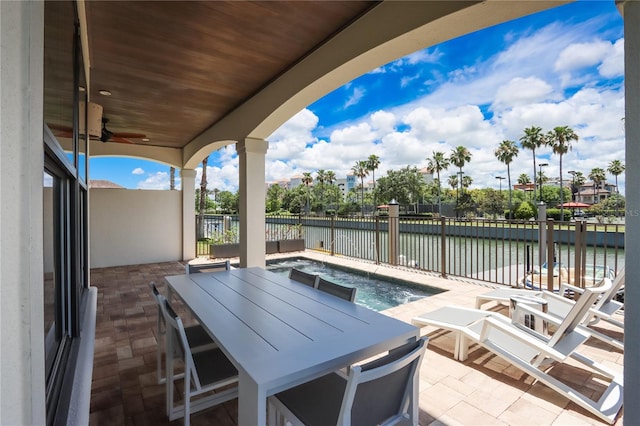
<point x="559" y="139"/>
<point x="616" y="168"/>
<point x="372" y="165"/>
<point x="360" y="170"/>
<point x="438" y="162"/>
<point x="505" y="153"/>
<point x="321" y="178"/>
<point x="306" y="180"/>
<point x="203" y="197"/>
<point x="459" y="157"/>
<point x="453" y="181"/>
<point x="330" y="177"/>
<point x="597" y="175"/>
<point x="524" y="179"/>
<point x="532" y="139"/>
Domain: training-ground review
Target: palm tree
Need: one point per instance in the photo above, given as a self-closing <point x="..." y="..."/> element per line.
<point x="172" y="178"/>
<point x="438" y="162"/>
<point x="598" y="176"/>
<point x="616" y="168"/>
<point x="459" y="157"/>
<point x="532" y="139"/>
<point x="453" y="181"/>
<point x="330" y="177"/>
<point x="307" y="179"/>
<point x="321" y="178"/>
<point x="524" y="179"/>
<point x="372" y="165"/>
<point x="559" y="139"/>
<point x="505" y="153"/>
<point x="360" y="170"/>
<point x="203" y="197"/>
<point x="541" y="179"/>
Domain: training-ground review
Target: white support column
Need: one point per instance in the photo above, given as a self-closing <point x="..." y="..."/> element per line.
<point x="251" y="154"/>
<point x="188" y="182"/>
<point x="631" y="13"/>
<point x="22" y="373"/>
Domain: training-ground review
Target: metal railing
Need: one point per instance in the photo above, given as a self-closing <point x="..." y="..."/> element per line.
<point x="496" y="251"/>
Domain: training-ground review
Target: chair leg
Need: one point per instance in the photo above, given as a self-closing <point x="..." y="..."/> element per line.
<point x="187" y="394"/>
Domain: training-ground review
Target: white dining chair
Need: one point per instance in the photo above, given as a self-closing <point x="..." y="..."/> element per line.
<point x="207" y="267"/>
<point x="204" y="372"/>
<point x="197" y="336"/>
<point x="303" y="277"/>
<point x="338" y="290"/>
<point x="383" y="391"/>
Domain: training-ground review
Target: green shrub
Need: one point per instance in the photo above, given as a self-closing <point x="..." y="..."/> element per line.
<point x="553" y="213"/>
<point x="525" y="211"/>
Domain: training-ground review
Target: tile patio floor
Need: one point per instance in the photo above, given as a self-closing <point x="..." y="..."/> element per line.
<point x="484" y="390"/>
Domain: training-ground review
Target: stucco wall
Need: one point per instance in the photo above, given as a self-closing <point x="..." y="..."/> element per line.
<point x="134" y="226"/>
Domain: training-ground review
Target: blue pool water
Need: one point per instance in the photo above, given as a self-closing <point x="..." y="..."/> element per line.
<point x="374" y="292"/>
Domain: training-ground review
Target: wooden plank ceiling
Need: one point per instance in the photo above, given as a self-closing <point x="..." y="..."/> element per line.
<point x="176" y="68"/>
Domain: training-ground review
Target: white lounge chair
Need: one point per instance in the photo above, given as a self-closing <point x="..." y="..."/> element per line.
<point x="603" y="309"/>
<point x="532" y="352"/>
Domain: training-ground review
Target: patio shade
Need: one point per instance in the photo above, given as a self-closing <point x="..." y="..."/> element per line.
<point x="574" y="205"/>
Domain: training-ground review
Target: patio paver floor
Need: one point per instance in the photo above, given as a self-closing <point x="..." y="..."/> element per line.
<point x="482" y="390"/>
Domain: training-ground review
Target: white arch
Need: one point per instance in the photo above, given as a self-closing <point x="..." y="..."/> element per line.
<point x="389" y="31"/>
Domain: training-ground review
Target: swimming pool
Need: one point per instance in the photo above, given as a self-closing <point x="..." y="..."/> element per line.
<point x="374" y="291"/>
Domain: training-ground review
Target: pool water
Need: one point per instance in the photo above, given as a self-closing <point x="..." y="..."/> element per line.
<point x="374" y="292"/>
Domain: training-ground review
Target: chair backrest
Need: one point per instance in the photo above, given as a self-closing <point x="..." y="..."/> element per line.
<point x="618" y="282"/>
<point x="579" y="311"/>
<point x="384" y="388"/>
<point x="302" y="277"/>
<point x="177" y="338"/>
<point x="208" y="267"/>
<point x="346" y="293"/>
<point x="159" y="298"/>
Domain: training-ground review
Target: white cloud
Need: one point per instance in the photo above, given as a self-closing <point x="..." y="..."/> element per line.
<point x="613" y="64"/>
<point x="137" y="171"/>
<point x="158" y="180"/>
<point x="357" y="94"/>
<point x="581" y="55"/>
<point x="521" y="91"/>
<point x="521" y="86"/>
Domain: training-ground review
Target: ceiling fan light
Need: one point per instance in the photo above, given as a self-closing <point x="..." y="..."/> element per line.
<point x="104" y="92"/>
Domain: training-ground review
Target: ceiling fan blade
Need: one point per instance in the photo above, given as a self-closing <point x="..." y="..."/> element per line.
<point x="129" y="135"/>
<point x="120" y="139"/>
<point x="60" y="127"/>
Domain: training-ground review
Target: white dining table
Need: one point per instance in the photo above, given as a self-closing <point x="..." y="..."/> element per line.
<point x="279" y="333"/>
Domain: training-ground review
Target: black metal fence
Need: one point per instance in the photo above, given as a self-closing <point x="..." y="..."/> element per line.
<point x="496" y="251"/>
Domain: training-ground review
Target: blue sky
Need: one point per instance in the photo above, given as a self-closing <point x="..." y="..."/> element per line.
<point x="559" y="67"/>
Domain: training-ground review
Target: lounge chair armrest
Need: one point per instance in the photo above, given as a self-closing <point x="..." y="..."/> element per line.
<point x="519" y="334"/>
<point x="565" y="286"/>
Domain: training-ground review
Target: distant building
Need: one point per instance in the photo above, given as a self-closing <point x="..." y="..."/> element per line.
<point x="102" y="183"/>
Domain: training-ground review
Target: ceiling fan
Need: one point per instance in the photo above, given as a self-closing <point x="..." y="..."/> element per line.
<point x="121" y="137"/>
<point x="106" y="135"/>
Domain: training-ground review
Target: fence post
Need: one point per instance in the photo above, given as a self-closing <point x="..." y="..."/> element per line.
<point x="443" y="248"/>
<point x="550" y="258"/>
<point x="333" y="235"/>
<point x="377" y="240"/>
<point x="394" y="231"/>
<point x="580" y="253"/>
<point x="542" y="234"/>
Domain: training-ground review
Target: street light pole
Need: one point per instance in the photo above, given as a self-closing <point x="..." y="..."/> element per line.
<point x="500" y="178"/>
<point x="540" y="166"/>
<point x="460" y="174"/>
<point x="573" y="184"/>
